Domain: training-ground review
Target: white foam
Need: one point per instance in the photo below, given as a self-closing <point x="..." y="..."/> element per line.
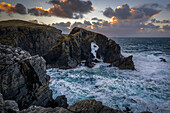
<point x="94" y="48"/>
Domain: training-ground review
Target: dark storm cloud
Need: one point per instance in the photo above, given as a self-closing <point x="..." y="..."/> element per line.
<point x="18" y="8"/>
<point x="87" y="22"/>
<point x="109" y="12"/>
<point x="54" y="2"/>
<point x="125" y="12"/>
<point x="65" y="9"/>
<point x="62" y="24"/>
<point x="77" y="24"/>
<point x="149" y="25"/>
<point x="37" y="11"/>
<point x="168" y="7"/>
<point x="166" y="27"/>
<point x="21" y="9"/>
<point x="148" y="11"/>
<point x="96" y="23"/>
<point x="159" y="21"/>
<point x="95" y="18"/>
<point x="120" y="12"/>
<point x="106" y="23"/>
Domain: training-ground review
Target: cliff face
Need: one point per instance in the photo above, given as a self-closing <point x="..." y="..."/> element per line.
<point x="23" y="78"/>
<point x="69" y="51"/>
<point x="34" y="38"/>
<point x="63" y="51"/>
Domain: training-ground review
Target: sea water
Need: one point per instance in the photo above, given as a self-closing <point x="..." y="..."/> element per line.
<point x="145" y="89"/>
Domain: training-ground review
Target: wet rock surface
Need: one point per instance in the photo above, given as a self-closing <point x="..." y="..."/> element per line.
<point x="34" y="38"/>
<point x="84" y="106"/>
<point x="23" y="78"/>
<point x="71" y="50"/>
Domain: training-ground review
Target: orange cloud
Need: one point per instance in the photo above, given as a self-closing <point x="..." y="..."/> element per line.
<point x="7" y="7"/>
<point x="118" y="7"/>
<point x="114" y="20"/>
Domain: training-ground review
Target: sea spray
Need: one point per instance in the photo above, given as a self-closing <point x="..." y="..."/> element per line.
<point x="145" y="89"/>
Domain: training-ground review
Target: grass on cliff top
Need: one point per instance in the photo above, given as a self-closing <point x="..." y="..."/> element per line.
<point x="21" y="23"/>
<point x="60" y="40"/>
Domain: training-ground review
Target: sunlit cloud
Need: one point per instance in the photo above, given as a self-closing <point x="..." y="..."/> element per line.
<point x="8" y="8"/>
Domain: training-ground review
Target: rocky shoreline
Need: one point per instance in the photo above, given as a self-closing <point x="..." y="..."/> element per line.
<point x="62" y="51"/>
<point x="24" y="84"/>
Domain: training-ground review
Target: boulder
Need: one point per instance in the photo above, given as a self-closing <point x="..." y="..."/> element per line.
<point x="84" y="106"/>
<point x="60" y="101"/>
<point x="39" y="109"/>
<point x="163" y="60"/>
<point x="91" y="106"/>
<point x="11" y="106"/>
<point x="23" y="79"/>
<point x="8" y="106"/>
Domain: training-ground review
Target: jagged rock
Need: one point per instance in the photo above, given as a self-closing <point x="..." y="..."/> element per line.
<point x="146" y="112"/>
<point x="91" y="106"/>
<point x="34" y="38"/>
<point x="84" y="106"/>
<point x="65" y="54"/>
<point x="8" y="106"/>
<point x="125" y="63"/>
<point x="163" y="60"/>
<point x="2" y="104"/>
<point x="60" y="101"/>
<point x="39" y="109"/>
<point x="71" y="50"/>
<point x="89" y="63"/>
<point x="24" y="79"/>
<point x="11" y="106"/>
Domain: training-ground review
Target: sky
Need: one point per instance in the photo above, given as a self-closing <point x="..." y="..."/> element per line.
<point x="113" y="18"/>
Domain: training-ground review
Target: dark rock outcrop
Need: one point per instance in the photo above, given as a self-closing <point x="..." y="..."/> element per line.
<point x="163" y="60"/>
<point x="8" y="106"/>
<point x="84" y="106"/>
<point x="23" y="78"/>
<point x="71" y="50"/>
<point x="34" y="38"/>
<point x="91" y="106"/>
<point x="60" y="101"/>
<point x="59" y="50"/>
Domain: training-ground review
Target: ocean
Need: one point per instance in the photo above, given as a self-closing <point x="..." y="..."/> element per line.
<point x="145" y="89"/>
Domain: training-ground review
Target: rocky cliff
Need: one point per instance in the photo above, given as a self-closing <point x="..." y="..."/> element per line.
<point x="92" y="47"/>
<point x="63" y="51"/>
<point x="34" y="38"/>
<point x="23" y="78"/>
<point x="23" y="83"/>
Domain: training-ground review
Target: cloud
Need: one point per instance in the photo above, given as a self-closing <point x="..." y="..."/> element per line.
<point x="18" y="8"/>
<point x="166" y="27"/>
<point x="149" y="25"/>
<point x="87" y="22"/>
<point x="54" y="2"/>
<point x="34" y="21"/>
<point x="38" y="11"/>
<point x="62" y="24"/>
<point x="168" y="7"/>
<point x="159" y="21"/>
<point x="125" y="12"/>
<point x="64" y="8"/>
<point x="109" y="12"/>
<point x="97" y="19"/>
